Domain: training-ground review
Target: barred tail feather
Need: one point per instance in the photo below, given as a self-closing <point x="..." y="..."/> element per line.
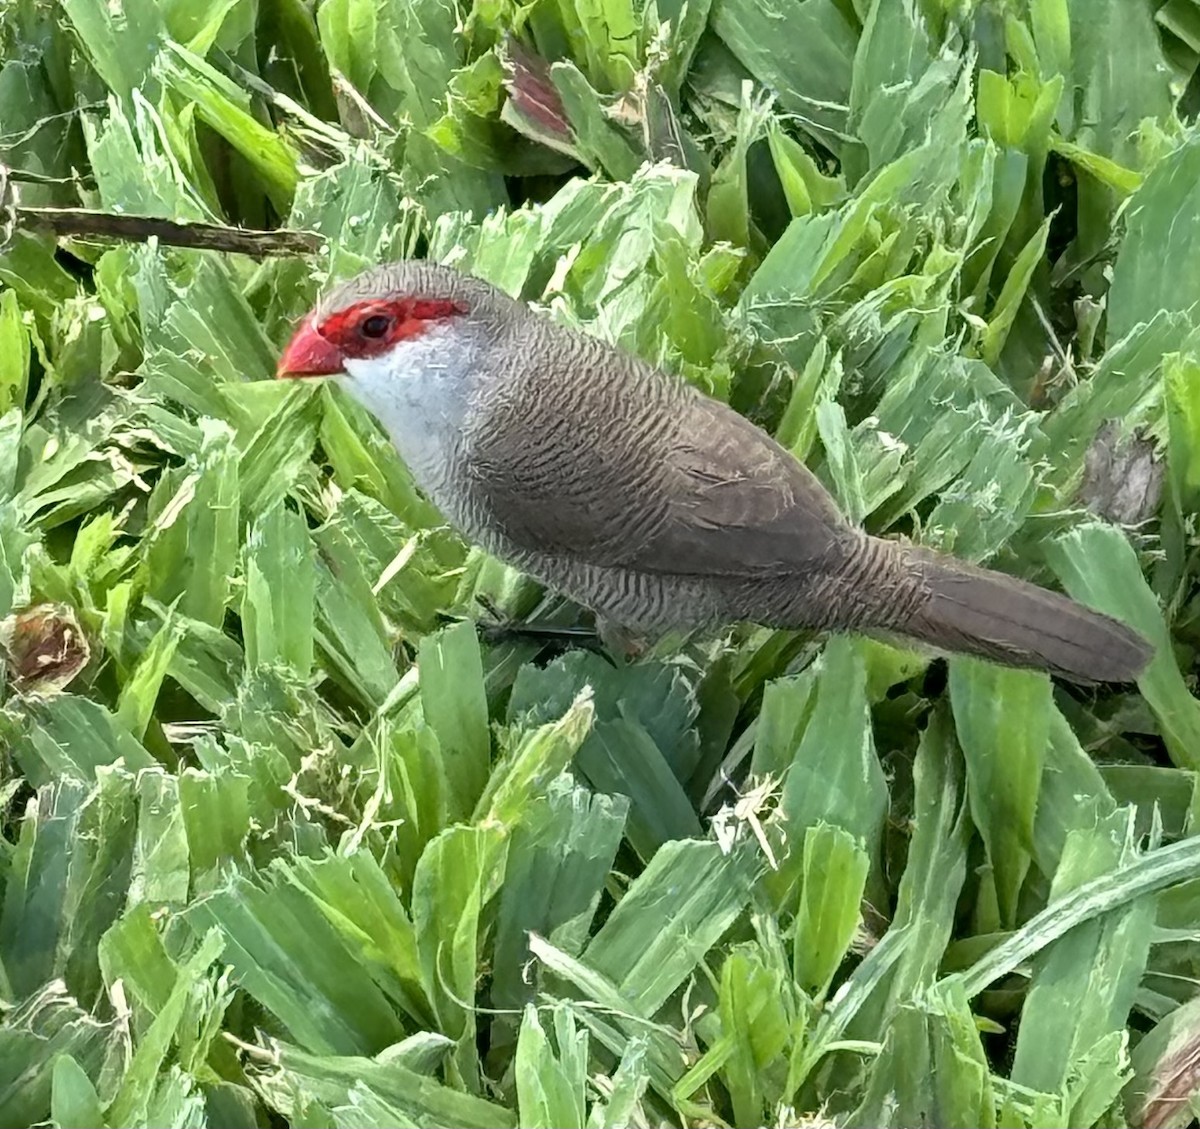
<point x="979" y="612"/>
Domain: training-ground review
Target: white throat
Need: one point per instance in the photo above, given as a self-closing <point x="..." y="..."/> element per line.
<point x="420" y="392"/>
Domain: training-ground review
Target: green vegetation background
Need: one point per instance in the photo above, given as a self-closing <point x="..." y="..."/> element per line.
<point x="284" y="842"/>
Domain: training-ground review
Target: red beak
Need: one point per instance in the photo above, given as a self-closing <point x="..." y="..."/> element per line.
<point x="309" y="354"/>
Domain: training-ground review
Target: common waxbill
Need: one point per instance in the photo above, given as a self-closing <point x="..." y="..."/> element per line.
<point x="634" y="494"/>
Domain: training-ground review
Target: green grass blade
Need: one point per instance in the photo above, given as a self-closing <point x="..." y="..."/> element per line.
<point x="1083" y="986"/>
<point x="550" y="1085"/>
<point x="1153" y="871"/>
<point x="834" y="776"/>
<point x="1003" y="721"/>
<point x="455" y="708"/>
<point x="458" y="875"/>
<point x="671" y="916"/>
<point x="558" y="860"/>
<point x="277" y="600"/>
<point x="1097" y="565"/>
<point x="831" y="888"/>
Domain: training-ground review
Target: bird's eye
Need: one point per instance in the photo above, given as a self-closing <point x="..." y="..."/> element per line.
<point x="376" y="325"/>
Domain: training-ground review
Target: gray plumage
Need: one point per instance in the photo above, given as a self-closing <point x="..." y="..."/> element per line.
<point x="660" y="508"/>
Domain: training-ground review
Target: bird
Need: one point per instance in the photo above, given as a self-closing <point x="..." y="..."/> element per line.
<point x="655" y="506"/>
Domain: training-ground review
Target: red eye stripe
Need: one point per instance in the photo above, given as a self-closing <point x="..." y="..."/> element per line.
<point x="434" y="309"/>
<point x="406" y="318"/>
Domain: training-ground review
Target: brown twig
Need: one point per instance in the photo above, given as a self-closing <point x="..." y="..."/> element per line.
<point x="204" y="236"/>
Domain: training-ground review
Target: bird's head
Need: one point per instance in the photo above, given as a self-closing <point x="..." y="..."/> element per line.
<point x="404" y="339"/>
<point x="372" y="326"/>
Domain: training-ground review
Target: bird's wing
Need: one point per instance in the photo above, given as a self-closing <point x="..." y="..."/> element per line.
<point x="690" y="489"/>
<point x="740" y="504"/>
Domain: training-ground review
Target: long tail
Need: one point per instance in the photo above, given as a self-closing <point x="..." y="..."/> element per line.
<point x="975" y="611"/>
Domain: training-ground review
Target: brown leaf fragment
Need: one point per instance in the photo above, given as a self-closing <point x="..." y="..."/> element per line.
<point x="1122" y="477"/>
<point x="534" y="106"/>
<point x="1166" y="1072"/>
<point x="44" y="646"/>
